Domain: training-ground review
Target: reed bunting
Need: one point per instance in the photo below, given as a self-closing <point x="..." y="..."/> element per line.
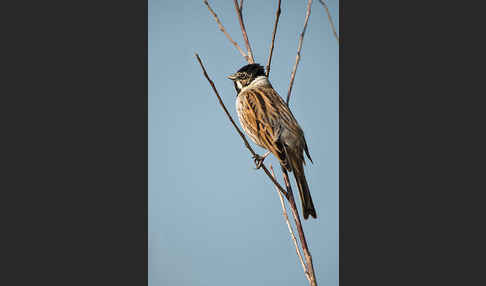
<point x="268" y="121"/>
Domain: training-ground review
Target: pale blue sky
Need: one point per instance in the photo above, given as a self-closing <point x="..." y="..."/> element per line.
<point x="213" y="219"/>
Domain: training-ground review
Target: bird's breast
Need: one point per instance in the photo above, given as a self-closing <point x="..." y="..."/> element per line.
<point x="244" y="113"/>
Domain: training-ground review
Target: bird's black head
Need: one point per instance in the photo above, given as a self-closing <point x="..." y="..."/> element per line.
<point x="245" y="75"/>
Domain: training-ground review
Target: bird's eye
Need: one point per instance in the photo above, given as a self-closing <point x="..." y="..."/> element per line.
<point x="242" y="76"/>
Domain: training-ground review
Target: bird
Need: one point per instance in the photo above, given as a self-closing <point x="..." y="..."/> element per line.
<point x="270" y="124"/>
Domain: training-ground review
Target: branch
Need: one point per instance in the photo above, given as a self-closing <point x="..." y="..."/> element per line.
<point x="297" y="58"/>
<point x="295" y="213"/>
<point x="238" y="129"/>
<point x="330" y="19"/>
<point x="221" y="27"/>
<point x="290" y="230"/>
<point x="277" y="17"/>
<point x="308" y="266"/>
<point x="239" y="10"/>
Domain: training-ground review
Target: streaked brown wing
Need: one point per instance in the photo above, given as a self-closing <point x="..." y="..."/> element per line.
<point x="263" y="114"/>
<point x="258" y="118"/>
<point x="281" y="111"/>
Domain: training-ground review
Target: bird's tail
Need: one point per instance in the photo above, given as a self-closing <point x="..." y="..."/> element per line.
<point x="297" y="166"/>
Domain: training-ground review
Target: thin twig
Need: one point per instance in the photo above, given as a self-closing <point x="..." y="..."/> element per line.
<point x="238" y="129"/>
<point x="221" y="27"/>
<point x="239" y="9"/>
<point x="330" y="19"/>
<point x="277" y="17"/>
<point x="297" y="58"/>
<point x="298" y="224"/>
<point x="290" y="230"/>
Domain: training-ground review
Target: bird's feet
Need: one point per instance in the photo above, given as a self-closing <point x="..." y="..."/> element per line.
<point x="259" y="159"/>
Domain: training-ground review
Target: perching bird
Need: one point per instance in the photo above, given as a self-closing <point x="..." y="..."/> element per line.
<point x="268" y="121"/>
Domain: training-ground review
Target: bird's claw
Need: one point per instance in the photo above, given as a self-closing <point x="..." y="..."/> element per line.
<point x="258" y="161"/>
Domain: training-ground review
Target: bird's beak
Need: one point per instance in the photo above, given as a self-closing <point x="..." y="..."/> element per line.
<point x="233" y="76"/>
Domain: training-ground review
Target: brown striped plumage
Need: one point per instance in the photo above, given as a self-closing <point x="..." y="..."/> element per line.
<point x="268" y="121"/>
